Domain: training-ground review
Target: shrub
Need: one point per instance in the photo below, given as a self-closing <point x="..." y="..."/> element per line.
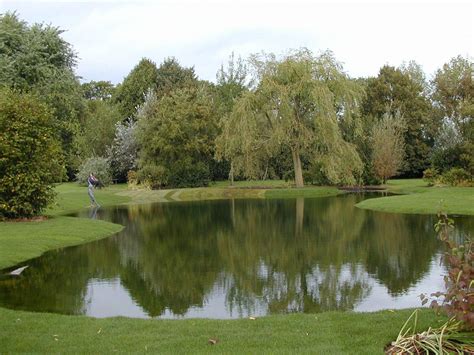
<point x="430" y="175"/>
<point x="315" y="175"/>
<point x="99" y="166"/>
<point x="153" y="176"/>
<point x="132" y="178"/>
<point x="185" y="173"/>
<point x="30" y="155"/>
<point x="457" y="177"/>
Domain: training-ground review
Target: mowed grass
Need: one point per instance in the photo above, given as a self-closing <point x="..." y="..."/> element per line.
<point x="21" y="241"/>
<point x="72" y="197"/>
<point x="324" y="333"/>
<point x="422" y="199"/>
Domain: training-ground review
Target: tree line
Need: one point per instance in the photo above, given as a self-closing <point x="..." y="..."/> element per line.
<point x="297" y="117"/>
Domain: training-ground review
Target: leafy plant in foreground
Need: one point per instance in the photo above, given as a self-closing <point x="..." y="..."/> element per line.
<point x="459" y="294"/>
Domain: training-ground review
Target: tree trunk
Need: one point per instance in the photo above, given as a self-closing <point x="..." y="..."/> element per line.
<point x="231" y="174"/>
<point x="297" y="165"/>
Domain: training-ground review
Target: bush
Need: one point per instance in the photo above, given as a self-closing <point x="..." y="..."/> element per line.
<point x="153" y="176"/>
<point x="430" y="175"/>
<point x="30" y="155"/>
<point x="98" y="166"/>
<point x="315" y="176"/>
<point x="132" y="178"/>
<point x="187" y="174"/>
<point x="457" y="177"/>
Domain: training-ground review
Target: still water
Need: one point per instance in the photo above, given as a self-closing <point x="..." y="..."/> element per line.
<point x="239" y="258"/>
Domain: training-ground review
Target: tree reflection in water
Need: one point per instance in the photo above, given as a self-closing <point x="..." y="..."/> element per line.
<point x="264" y="256"/>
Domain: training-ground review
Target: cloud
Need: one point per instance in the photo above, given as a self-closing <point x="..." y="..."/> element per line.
<point x="112" y="37"/>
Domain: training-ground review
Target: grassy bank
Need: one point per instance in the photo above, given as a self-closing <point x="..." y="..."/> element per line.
<point x="21" y="241"/>
<point x="325" y="333"/>
<point x="419" y="198"/>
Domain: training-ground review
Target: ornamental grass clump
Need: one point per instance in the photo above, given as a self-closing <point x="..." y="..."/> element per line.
<point x="447" y="339"/>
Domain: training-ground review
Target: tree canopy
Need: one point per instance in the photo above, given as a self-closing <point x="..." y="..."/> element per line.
<point x="297" y="103"/>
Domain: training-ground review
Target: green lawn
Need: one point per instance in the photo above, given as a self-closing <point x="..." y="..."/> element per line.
<point x="419" y="198"/>
<point x="71" y="197"/>
<point x="324" y="333"/>
<point x="21" y="241"/>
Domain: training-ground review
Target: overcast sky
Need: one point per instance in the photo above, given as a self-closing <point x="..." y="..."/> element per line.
<point x="110" y="37"/>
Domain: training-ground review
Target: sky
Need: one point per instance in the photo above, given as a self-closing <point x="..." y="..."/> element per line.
<point x="110" y="37"/>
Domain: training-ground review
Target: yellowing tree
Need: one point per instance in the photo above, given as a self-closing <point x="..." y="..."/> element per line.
<point x="388" y="146"/>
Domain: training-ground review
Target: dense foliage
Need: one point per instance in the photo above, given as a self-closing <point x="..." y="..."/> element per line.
<point x="37" y="59"/>
<point x="296" y="105"/>
<point x="98" y="166"/>
<point x="296" y="117"/>
<point x="176" y="135"/>
<point x="30" y="155"/>
<point x="122" y="153"/>
<point x="131" y="93"/>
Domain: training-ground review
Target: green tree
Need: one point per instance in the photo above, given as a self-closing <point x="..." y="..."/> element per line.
<point x="176" y="136"/>
<point x="296" y="103"/>
<point x="131" y="93"/>
<point x="172" y="76"/>
<point x="231" y="84"/>
<point x="394" y="91"/>
<point x="37" y="59"/>
<point x="98" y="128"/>
<point x="98" y="90"/>
<point x="453" y="96"/>
<point x="388" y="146"/>
<point x="30" y="155"/>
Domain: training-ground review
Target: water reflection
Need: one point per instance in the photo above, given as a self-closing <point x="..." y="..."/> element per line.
<point x="237" y="258"/>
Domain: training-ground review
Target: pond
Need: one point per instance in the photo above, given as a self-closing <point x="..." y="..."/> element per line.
<point x="239" y="258"/>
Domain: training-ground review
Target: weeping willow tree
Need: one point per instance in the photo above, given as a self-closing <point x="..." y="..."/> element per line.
<point x="300" y="103"/>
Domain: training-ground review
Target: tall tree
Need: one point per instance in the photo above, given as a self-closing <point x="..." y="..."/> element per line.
<point x="172" y="76"/>
<point x="97" y="129"/>
<point x="131" y="93"/>
<point x="393" y="92"/>
<point x="37" y="59"/>
<point x="231" y="84"/>
<point x="388" y="146"/>
<point x="453" y="96"/>
<point x="297" y="103"/>
<point x="176" y="136"/>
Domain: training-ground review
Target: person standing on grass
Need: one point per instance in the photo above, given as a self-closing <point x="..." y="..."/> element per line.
<point x="91" y="182"/>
